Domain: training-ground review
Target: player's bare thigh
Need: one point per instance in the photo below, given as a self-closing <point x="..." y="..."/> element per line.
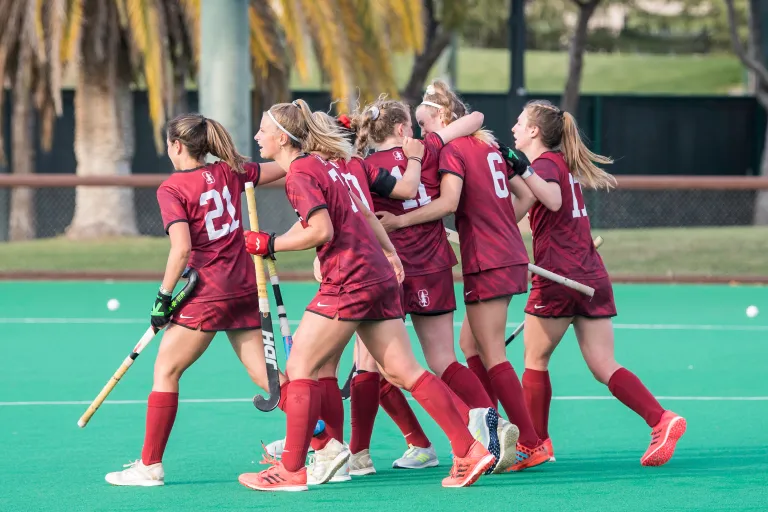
<point x="179" y="348"/>
<point x="435" y="334"/>
<point x="540" y="338"/>
<point x="317" y="339"/>
<point x="249" y="347"/>
<point x="595" y="336"/>
<point x="488" y="321"/>
<point x="388" y="343"/>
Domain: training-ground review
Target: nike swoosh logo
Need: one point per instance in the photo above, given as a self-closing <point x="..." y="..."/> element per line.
<point x="538" y="307"/>
<point x="182" y="316"/>
<point x="467" y="293"/>
<point x="320" y="305"/>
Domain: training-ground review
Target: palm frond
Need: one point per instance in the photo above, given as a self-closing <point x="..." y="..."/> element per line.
<point x="294" y="25"/>
<point x="191" y="12"/>
<point x="266" y="47"/>
<point x="54" y="32"/>
<point x="70" y="46"/>
<point x="8" y="44"/>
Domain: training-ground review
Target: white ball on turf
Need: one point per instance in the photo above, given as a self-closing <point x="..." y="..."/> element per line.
<point x="752" y="311"/>
<point x="113" y="304"/>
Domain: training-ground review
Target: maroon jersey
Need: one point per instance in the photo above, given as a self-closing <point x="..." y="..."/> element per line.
<point x="208" y="199"/>
<point x="353" y="258"/>
<point x="359" y="175"/>
<point x="422" y="248"/>
<point x="485" y="218"/>
<point x="562" y="240"/>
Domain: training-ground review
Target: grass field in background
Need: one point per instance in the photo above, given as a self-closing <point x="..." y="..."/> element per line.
<point x="658" y="251"/>
<point x="487" y="70"/>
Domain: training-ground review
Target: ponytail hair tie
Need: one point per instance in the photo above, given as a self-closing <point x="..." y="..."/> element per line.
<point x="374" y="110"/>
<point x="344" y="121"/>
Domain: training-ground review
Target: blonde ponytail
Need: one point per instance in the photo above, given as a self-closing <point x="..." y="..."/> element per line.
<point x="296" y="120"/>
<point x="580" y="160"/>
<point x="559" y="131"/>
<point x="451" y="107"/>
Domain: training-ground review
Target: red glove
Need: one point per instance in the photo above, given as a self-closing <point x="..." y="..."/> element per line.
<point x="260" y="243"/>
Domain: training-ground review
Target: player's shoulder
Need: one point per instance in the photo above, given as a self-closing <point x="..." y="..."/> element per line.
<point x="553" y="161"/>
<point x="309" y="163"/>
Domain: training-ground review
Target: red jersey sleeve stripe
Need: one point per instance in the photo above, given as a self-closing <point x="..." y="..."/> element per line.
<point x="450" y="172"/>
<point x="316" y="208"/>
<point x="168" y="226"/>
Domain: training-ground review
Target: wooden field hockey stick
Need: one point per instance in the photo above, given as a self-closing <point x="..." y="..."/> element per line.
<point x="453" y="237"/>
<point x="282" y="316"/>
<point x="598" y="241"/>
<point x="180" y="297"/>
<point x="267" y="334"/>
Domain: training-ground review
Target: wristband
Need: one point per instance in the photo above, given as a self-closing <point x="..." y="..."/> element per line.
<point x="164" y="291"/>
<point x="414" y="158"/>
<point x="528" y="173"/>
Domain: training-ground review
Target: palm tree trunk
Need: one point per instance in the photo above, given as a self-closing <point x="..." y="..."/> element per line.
<point x="104" y="146"/>
<point x="22" y="214"/>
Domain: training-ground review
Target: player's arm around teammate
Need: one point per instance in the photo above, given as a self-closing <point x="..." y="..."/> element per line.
<point x="225" y="298"/>
<point x="562" y="242"/>
<point x="359" y="292"/>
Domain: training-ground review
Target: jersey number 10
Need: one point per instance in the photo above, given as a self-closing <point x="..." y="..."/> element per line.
<point x="218" y="211"/>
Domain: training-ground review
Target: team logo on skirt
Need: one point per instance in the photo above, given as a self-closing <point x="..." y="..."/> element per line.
<point x="423" y="298"/>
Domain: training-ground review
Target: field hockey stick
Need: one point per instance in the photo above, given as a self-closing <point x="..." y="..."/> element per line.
<point x="267" y="334"/>
<point x="453" y="237"/>
<point x="282" y="316"/>
<point x="180" y="297"/>
<point x="598" y="241"/>
<point x="346" y="390"/>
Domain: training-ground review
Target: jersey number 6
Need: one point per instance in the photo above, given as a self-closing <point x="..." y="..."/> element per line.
<point x="218" y="211"/>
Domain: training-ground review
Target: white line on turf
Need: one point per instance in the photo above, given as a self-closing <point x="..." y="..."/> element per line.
<point x="630" y="327"/>
<point x="237" y="400"/>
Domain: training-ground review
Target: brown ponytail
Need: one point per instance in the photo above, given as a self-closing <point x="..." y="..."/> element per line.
<point x="559" y="130"/>
<point x="440" y="93"/>
<point x="377" y="122"/>
<point x="201" y="136"/>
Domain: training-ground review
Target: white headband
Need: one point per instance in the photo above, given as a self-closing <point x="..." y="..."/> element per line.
<point x="438" y="107"/>
<point x="281" y="126"/>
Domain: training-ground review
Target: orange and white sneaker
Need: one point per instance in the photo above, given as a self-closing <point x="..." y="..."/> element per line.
<point x="664" y="437"/>
<point x="276" y="478"/>
<point x="551" y="451"/>
<point x="466" y="470"/>
<point x="529" y="457"/>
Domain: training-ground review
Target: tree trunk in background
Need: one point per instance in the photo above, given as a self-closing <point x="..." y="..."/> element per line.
<point x="22" y="210"/>
<point x="104" y="137"/>
<point x="570" y="99"/>
<point x="436" y="40"/>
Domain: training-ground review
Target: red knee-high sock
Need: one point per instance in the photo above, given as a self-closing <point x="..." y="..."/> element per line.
<point x="510" y="393"/>
<point x="476" y="365"/>
<point x="435" y="397"/>
<point x="302" y="409"/>
<point x="332" y="408"/>
<point x="364" y="394"/>
<point x="393" y="402"/>
<point x="625" y="386"/>
<point x="466" y="385"/>
<point x="538" y="395"/>
<point x="161" y="412"/>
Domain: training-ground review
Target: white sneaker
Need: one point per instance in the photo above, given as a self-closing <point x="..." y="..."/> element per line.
<point x="275" y="448"/>
<point x="138" y="474"/>
<point x="326" y="462"/>
<point x="508" y="434"/>
<point x="416" y="457"/>
<point x="483" y="425"/>
<point x="360" y="463"/>
<point x="342" y="475"/>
